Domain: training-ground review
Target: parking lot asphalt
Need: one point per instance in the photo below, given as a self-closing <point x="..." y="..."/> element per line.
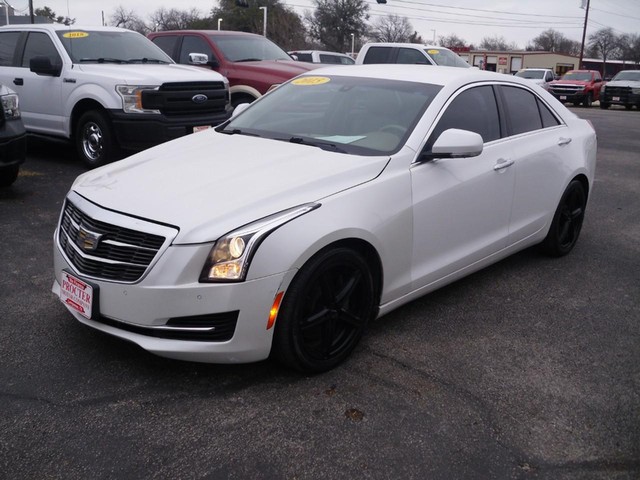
<point x="527" y="369"/>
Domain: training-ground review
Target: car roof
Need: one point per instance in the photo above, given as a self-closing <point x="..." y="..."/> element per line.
<point x="409" y="45"/>
<point x="319" y="51"/>
<point x="435" y="75"/>
<point x="215" y="33"/>
<point x="55" y="27"/>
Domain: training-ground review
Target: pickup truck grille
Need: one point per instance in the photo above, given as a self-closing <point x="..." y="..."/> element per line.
<point x="106" y="251"/>
<point x="623" y="92"/>
<point x="187" y="98"/>
<point x="565" y="89"/>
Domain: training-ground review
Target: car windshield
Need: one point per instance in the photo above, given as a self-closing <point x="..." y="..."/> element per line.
<point x="534" y="74"/>
<point x="362" y="116"/>
<point x="446" y="58"/>
<point x="248" y="48"/>
<point x="633" y="75"/>
<point x="580" y="76"/>
<point x="87" y="46"/>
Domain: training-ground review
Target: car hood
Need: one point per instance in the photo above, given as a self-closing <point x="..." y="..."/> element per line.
<point x="209" y="183"/>
<point x="624" y="83"/>
<point x="283" y="68"/>
<point x="149" y="74"/>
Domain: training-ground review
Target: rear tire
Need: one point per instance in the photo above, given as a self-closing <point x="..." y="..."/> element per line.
<point x="567" y="221"/>
<point x="603" y="105"/>
<point x="94" y="139"/>
<point x="8" y="175"/>
<point x="325" y="311"/>
<point x="628" y="106"/>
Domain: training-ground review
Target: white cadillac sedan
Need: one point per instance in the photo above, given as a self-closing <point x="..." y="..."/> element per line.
<point x="331" y="201"/>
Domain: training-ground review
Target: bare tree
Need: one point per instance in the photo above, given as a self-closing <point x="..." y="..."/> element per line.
<point x="604" y="44"/>
<point x="497" y="43"/>
<point x="554" y="41"/>
<point x="128" y="19"/>
<point x="174" y="19"/>
<point x="391" y="28"/>
<point x="629" y="48"/>
<point x="452" y="41"/>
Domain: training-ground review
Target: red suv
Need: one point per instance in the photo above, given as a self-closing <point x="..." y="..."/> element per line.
<point x="252" y="63"/>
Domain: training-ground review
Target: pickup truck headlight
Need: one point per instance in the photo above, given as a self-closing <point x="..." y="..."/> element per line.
<point x="131" y="96"/>
<point x="635" y="91"/>
<point x="231" y="255"/>
<point x="10" y="106"/>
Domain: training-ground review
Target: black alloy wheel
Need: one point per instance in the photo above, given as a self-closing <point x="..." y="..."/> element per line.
<point x="567" y="221"/>
<point x="325" y="311"/>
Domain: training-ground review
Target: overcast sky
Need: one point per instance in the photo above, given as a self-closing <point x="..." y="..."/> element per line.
<point x="516" y="20"/>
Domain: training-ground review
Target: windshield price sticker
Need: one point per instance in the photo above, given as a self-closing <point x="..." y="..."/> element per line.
<point x="75" y="35"/>
<point x="76" y="294"/>
<point x="311" y="80"/>
<point x="433" y="52"/>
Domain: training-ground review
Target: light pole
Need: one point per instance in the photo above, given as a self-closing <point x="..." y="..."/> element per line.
<point x="219" y="21"/>
<point x="353" y="44"/>
<point x="6" y="11"/>
<point x="264" y="21"/>
<point x="434" y="36"/>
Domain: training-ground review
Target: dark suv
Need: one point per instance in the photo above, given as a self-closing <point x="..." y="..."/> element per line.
<point x="252" y="63"/>
<point x="12" y="137"/>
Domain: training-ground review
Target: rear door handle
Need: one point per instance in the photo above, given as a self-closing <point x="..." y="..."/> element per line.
<point x="564" y="141"/>
<point x="502" y="164"/>
<point x="18" y="81"/>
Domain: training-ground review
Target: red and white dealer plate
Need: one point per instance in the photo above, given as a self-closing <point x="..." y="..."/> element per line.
<point x="76" y="294"/>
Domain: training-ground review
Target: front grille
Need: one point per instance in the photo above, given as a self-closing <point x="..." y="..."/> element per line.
<point x="566" y="89"/>
<point x="178" y="98"/>
<point x="623" y="92"/>
<point x="102" y="250"/>
<point x="214" y="327"/>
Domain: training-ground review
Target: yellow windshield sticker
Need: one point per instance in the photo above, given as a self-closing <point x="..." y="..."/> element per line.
<point x="311" y="80"/>
<point x="75" y="35"/>
<point x="433" y="52"/>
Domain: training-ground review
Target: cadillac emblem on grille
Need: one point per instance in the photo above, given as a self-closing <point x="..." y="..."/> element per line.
<point x="199" y="98"/>
<point x="88" y="240"/>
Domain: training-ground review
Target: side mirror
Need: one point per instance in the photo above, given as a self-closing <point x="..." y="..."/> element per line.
<point x="295" y="57"/>
<point x="202" y="59"/>
<point x="43" y="66"/>
<point x="239" y="109"/>
<point x="455" y="143"/>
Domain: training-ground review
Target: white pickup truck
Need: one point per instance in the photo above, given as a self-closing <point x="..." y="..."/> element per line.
<point x="107" y="89"/>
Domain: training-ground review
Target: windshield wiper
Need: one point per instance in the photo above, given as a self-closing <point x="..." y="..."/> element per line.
<point x="237" y="131"/>
<point x="146" y="60"/>
<point x="102" y="60"/>
<point x="250" y="60"/>
<point x="332" y="147"/>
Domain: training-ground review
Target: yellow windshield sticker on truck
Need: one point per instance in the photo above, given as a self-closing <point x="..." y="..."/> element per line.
<point x="75" y="35"/>
<point x="311" y="80"/>
<point x="433" y="52"/>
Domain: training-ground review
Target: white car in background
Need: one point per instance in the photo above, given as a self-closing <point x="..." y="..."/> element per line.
<point x="539" y="76"/>
<point x="335" y="199"/>
<point x="318" y="56"/>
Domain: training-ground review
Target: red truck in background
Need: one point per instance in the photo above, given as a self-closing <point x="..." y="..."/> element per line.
<point x="252" y="63"/>
<point x="578" y="86"/>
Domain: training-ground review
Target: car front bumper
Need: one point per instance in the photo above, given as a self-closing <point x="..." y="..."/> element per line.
<point x="140" y="312"/>
<point x="620" y="98"/>
<point x="570" y="97"/>
<point x="13" y="143"/>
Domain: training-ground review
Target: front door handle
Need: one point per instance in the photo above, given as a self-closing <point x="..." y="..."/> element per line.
<point x="18" y="81"/>
<point x="564" y="141"/>
<point x="502" y="164"/>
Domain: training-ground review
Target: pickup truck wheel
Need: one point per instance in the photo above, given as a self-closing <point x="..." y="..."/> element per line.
<point x="588" y="101"/>
<point x="8" y="175"/>
<point x="241" y="98"/>
<point x="603" y="105"/>
<point x="628" y="107"/>
<point x="94" y="139"/>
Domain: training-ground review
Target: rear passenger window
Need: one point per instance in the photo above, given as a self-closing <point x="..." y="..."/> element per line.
<point x="8" y="41"/>
<point x="522" y="109"/>
<point x="548" y="119"/>
<point x="329" y="58"/>
<point x="411" y="56"/>
<point x="378" y="55"/>
<point x="304" y="57"/>
<point x="474" y="110"/>
<point x="40" y="45"/>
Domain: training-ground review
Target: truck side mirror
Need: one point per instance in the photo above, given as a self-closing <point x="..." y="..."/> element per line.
<point x="202" y="59"/>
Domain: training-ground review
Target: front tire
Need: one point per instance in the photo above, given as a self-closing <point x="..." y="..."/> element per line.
<point x="603" y="105"/>
<point x="8" y="175"/>
<point x="94" y="139"/>
<point x="588" y="101"/>
<point x="325" y="311"/>
<point x="567" y="221"/>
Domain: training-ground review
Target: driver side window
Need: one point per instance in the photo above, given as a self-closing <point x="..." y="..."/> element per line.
<point x="474" y="110"/>
<point x="191" y="44"/>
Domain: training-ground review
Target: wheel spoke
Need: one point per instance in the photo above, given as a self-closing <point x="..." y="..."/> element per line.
<point x="315" y="319"/>
<point x="350" y="318"/>
<point x="349" y="288"/>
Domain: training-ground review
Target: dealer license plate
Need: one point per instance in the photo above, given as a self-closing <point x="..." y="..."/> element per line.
<point x="563" y="97"/>
<point x="201" y="128"/>
<point x="76" y="294"/>
<point x="616" y="99"/>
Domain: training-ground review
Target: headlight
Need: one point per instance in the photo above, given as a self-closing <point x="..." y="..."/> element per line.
<point x="10" y="104"/>
<point x="231" y="255"/>
<point x="132" y="98"/>
<point x="635" y="91"/>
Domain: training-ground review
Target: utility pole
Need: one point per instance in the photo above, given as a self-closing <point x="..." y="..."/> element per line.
<point x="33" y="20"/>
<point x="584" y="30"/>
